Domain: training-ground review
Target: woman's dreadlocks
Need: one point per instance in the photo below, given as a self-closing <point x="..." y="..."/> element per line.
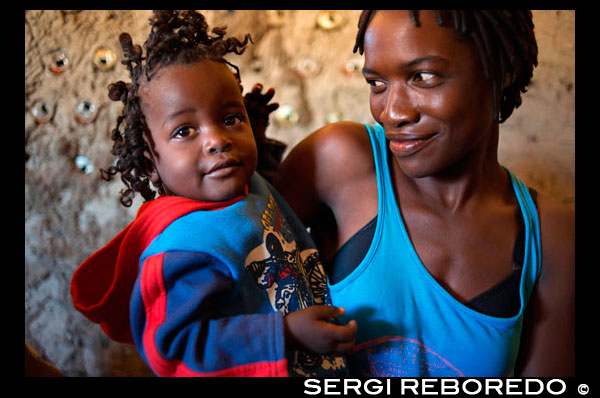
<point x="505" y="42"/>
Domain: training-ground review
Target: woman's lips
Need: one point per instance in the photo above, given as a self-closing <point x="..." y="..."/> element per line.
<point x="405" y="145"/>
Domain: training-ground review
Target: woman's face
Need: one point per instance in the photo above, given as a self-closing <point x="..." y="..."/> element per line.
<point x="428" y="91"/>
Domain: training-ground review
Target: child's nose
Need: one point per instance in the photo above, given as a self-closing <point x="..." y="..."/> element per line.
<point x="215" y="142"/>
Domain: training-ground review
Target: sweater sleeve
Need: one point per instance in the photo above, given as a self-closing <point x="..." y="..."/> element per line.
<point x="181" y="326"/>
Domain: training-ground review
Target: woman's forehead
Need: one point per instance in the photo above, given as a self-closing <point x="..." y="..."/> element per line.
<point x="393" y="32"/>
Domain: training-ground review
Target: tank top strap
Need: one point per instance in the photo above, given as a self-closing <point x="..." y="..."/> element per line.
<point x="532" y="256"/>
<point x="378" y="144"/>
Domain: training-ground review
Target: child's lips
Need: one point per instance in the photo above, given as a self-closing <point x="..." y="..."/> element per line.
<point x="222" y="168"/>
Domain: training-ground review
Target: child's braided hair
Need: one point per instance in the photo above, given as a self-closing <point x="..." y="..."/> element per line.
<point x="176" y="37"/>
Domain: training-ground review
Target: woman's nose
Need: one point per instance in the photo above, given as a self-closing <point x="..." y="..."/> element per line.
<point x="399" y="108"/>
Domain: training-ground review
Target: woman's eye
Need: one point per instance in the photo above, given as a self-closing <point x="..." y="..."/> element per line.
<point x="375" y="83"/>
<point x="376" y="86"/>
<point x="183" y="132"/>
<point x="426" y="77"/>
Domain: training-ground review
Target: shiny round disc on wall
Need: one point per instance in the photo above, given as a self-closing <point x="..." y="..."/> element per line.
<point x="257" y="65"/>
<point x="85" y="112"/>
<point x="42" y="111"/>
<point x="333" y="116"/>
<point x="104" y="59"/>
<point x="58" y="61"/>
<point x="275" y="18"/>
<point x="329" y="19"/>
<point x="307" y="67"/>
<point x="84" y="164"/>
<point x="286" y="115"/>
<point x="354" y="66"/>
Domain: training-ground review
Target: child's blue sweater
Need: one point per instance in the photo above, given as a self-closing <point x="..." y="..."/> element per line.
<point x="201" y="288"/>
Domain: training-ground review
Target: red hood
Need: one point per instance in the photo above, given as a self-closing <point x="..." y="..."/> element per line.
<point x="101" y="286"/>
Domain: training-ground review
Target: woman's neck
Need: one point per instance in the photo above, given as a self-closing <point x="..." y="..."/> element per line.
<point x="477" y="176"/>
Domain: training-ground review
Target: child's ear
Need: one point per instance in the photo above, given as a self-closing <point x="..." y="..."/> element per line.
<point x="149" y="154"/>
<point x="152" y="173"/>
<point x="154" y="177"/>
<point x="149" y="147"/>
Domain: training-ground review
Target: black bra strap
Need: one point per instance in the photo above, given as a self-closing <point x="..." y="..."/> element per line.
<point x="351" y="253"/>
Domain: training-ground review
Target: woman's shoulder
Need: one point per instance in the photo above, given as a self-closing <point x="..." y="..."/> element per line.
<point x="557" y="224"/>
<point x="557" y="219"/>
<point x="327" y="163"/>
<point x="348" y="129"/>
<point x="344" y="145"/>
<point x="551" y="308"/>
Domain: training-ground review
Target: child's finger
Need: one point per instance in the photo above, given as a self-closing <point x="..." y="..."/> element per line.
<point x="257" y="88"/>
<point x="269" y="94"/>
<point x="346" y="336"/>
<point x="327" y="311"/>
<point x="348" y="331"/>
<point x="343" y="333"/>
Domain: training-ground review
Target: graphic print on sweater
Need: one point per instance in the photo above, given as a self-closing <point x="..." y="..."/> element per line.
<point x="293" y="279"/>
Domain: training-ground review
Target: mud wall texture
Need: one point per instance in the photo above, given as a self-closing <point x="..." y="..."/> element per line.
<point x="306" y="55"/>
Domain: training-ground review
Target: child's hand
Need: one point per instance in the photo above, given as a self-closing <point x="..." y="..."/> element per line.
<point x="308" y="329"/>
<point x="258" y="108"/>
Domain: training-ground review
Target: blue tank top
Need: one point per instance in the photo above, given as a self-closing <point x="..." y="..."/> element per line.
<point x="408" y="324"/>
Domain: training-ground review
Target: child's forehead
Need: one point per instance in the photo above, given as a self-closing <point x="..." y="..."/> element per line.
<point x="213" y="81"/>
<point x="205" y="73"/>
<point x="205" y="68"/>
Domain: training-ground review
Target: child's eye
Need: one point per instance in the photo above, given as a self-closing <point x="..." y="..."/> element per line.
<point x="232" y="120"/>
<point x="183" y="132"/>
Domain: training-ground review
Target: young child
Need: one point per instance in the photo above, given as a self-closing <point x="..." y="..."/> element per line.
<point x="216" y="276"/>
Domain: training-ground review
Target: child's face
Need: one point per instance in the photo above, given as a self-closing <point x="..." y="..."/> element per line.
<point x="200" y="134"/>
<point x="428" y="90"/>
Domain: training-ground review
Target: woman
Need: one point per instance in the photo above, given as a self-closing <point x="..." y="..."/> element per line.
<point x="449" y="264"/>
